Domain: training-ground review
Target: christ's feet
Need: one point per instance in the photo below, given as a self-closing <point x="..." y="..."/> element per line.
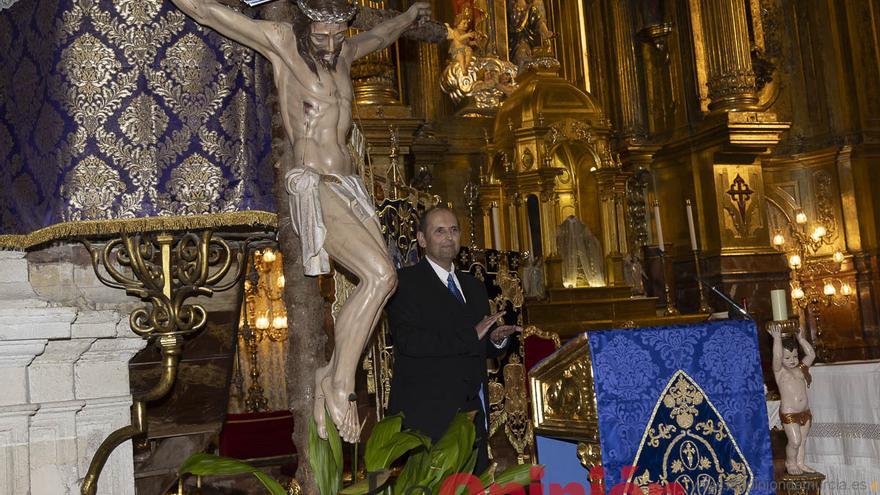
<point x="793" y="468"/>
<point x="342" y="406"/>
<point x="318" y="407"/>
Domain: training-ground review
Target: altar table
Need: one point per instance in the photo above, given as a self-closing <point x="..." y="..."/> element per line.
<point x="844" y="442"/>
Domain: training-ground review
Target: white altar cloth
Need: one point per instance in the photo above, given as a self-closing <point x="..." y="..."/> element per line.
<point x="844" y="442"/>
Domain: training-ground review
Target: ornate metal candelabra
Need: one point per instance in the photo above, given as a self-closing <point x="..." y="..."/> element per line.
<point x="263" y="316"/>
<point x="806" y="266"/>
<point x="164" y="270"/>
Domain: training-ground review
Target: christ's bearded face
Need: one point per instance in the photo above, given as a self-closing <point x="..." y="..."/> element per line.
<point x="325" y="42"/>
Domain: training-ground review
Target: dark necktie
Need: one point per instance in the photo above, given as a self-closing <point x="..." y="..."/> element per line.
<point x="450" y="283"/>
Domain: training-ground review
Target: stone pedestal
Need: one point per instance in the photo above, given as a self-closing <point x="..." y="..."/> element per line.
<point x="64" y="375"/>
<point x="14" y="447"/>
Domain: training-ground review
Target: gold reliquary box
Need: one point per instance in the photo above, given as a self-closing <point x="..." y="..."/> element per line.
<point x="563" y="396"/>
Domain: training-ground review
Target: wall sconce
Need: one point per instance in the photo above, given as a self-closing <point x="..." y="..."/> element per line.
<point x="825" y="289"/>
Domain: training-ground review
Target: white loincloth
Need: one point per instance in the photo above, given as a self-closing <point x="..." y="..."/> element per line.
<point x="307" y="216"/>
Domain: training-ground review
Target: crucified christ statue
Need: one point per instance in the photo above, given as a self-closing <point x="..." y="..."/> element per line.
<point x="330" y="209"/>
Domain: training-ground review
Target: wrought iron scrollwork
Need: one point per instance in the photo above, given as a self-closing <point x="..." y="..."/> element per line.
<point x="166" y="272"/>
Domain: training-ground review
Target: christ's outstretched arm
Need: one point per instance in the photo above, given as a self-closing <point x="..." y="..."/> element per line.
<point x="234" y="25"/>
<point x="387" y="32"/>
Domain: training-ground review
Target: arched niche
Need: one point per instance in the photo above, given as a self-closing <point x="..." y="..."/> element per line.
<point x="576" y="188"/>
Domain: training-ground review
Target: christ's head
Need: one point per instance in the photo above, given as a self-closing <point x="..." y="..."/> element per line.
<point x="321" y="28"/>
<point x="325" y="42"/>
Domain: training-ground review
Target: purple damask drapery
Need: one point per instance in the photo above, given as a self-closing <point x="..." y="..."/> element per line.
<point x="127" y="109"/>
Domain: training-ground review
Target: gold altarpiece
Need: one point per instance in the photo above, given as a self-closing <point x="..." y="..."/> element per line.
<point x="552" y="146"/>
<point x="724" y="103"/>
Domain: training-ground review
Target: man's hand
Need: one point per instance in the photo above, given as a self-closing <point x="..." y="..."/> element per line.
<point x="421" y="11"/>
<point x="502" y="332"/>
<point x="486" y="323"/>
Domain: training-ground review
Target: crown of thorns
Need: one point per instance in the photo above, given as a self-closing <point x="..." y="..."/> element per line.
<point x="327" y="17"/>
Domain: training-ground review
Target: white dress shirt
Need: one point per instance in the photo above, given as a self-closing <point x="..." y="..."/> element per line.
<point x="443" y="275"/>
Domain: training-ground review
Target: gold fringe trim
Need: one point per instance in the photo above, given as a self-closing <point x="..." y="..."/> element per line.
<point x="85" y="228"/>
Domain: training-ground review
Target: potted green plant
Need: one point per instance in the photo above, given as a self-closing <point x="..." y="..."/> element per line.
<point x="427" y="467"/>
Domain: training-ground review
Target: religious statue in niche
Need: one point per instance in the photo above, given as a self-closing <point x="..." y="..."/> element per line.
<point x="329" y="205"/>
<point x="581" y="252"/>
<point x="533" y="277"/>
<point x="471" y="75"/>
<point x="634" y="273"/>
<point x="528" y="33"/>
<point x="793" y="378"/>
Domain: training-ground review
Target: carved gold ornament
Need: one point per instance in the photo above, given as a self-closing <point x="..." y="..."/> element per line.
<point x="563" y="397"/>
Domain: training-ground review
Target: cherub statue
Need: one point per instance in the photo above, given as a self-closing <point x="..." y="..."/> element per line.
<point x="462" y="39"/>
<point x="793" y="379"/>
<point x="496" y="78"/>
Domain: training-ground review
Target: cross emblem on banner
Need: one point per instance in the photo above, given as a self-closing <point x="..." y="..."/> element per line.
<point x="740" y="193"/>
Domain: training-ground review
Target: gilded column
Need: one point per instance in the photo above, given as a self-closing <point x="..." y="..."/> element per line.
<point x="631" y="120"/>
<point x="549" y="221"/>
<point x="429" y="70"/>
<point x="513" y="221"/>
<point x="731" y="80"/>
<point x="375" y="77"/>
<point x="611" y="225"/>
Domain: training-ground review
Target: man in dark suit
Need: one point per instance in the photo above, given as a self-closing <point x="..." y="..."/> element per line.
<point x="442" y="335"/>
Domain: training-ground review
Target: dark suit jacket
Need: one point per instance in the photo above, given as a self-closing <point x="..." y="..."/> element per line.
<point x="439" y="363"/>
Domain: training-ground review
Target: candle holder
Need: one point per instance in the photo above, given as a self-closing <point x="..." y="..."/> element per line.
<point x="704" y="304"/>
<point x="670" y="306"/>
<point x="788" y="328"/>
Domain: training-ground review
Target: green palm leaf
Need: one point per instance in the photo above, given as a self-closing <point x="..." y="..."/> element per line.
<point x="387" y="443"/>
<point x="518" y="474"/>
<point x="362" y="487"/>
<point x="202" y="464"/>
<point x="325" y="457"/>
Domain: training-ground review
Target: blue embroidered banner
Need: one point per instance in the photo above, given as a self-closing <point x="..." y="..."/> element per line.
<point x="683" y="404"/>
<point x="119" y="109"/>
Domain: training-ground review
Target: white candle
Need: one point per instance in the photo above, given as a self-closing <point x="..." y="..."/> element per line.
<point x="496" y="228"/>
<point x="659" y="226"/>
<point x="693" y="232"/>
<point x="779" y="303"/>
